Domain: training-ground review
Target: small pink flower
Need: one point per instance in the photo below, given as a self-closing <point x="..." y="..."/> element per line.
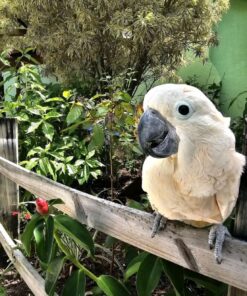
<point x="27" y="216"/>
<point x="15" y="213"/>
<point x="42" y="206"/>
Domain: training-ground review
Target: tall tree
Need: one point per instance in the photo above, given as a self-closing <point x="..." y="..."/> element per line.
<point x="87" y="39"/>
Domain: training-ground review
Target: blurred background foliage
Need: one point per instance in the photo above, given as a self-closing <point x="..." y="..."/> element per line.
<point x="86" y="40"/>
<point x="70" y="73"/>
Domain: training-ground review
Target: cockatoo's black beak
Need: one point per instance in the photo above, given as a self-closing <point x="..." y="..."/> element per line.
<point x="157" y="136"/>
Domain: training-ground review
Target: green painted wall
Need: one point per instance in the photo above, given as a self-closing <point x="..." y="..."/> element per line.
<point x="228" y="61"/>
<point x="230" y="57"/>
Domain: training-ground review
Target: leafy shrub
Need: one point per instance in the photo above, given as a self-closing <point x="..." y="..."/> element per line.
<point x="89" y="39"/>
<point x="64" y="135"/>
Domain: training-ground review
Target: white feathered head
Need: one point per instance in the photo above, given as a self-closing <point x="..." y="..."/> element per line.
<point x="176" y="113"/>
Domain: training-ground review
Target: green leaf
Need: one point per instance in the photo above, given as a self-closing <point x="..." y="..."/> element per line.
<point x="131" y="252"/>
<point x="74" y="113"/>
<point x="55" y="201"/>
<point x="95" y="173"/>
<point x="30" y="164"/>
<point x="52" y="273"/>
<point x="135" y="204"/>
<point x="215" y="287"/>
<point x="134" y="265"/>
<point x="43" y="165"/>
<point x="49" y="238"/>
<point x="76" y="231"/>
<point x="90" y="154"/>
<point x="148" y="275"/>
<point x="111" y="286"/>
<point x="98" y="138"/>
<point x="48" y="130"/>
<point x="56" y="99"/>
<point x="34" y="126"/>
<point x="86" y="172"/>
<point x="52" y="114"/>
<point x="27" y="234"/>
<point x="175" y="273"/>
<point x="72" y="170"/>
<point x="75" y="285"/>
<point x="40" y="242"/>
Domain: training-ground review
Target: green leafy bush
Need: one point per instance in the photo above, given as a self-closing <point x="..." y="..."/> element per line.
<point x="64" y="135"/>
<point x="47" y="146"/>
<point x="89" y="39"/>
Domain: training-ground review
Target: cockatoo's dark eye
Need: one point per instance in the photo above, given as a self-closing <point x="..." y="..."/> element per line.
<point x="183" y="110"/>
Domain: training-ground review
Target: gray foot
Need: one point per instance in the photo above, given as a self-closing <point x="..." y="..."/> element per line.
<point x="159" y="223"/>
<point x="216" y="240"/>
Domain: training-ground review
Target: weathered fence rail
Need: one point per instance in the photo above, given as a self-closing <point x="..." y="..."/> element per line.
<point x="179" y="243"/>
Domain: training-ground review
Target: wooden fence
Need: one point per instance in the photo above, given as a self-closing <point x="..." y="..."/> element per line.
<point x="179" y="243"/>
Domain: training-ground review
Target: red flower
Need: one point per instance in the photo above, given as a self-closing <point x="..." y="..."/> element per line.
<point x="15" y="213"/>
<point x="27" y="216"/>
<point x="42" y="206"/>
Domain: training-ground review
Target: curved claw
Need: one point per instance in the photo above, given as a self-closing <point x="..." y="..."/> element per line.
<point x="216" y="240"/>
<point x="159" y="223"/>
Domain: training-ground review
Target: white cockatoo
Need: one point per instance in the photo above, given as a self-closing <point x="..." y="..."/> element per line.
<point x="192" y="173"/>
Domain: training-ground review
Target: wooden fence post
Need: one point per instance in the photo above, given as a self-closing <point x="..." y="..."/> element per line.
<point x="240" y="225"/>
<point x="9" y="191"/>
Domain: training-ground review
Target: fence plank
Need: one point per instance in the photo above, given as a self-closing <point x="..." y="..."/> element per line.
<point x="179" y="243"/>
<point x="9" y="197"/>
<point x="34" y="281"/>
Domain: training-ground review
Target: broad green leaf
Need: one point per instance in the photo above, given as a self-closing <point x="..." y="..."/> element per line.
<point x="79" y="162"/>
<point x="27" y="234"/>
<point x="48" y="130"/>
<point x="43" y="165"/>
<point x="175" y="274"/>
<point x="52" y="273"/>
<point x="98" y="138"/>
<point x="34" y="126"/>
<point x="36" y="150"/>
<point x="86" y="172"/>
<point x="111" y="286"/>
<point x="75" y="285"/>
<point x="95" y="173"/>
<point x="52" y="114"/>
<point x="76" y="231"/>
<point x="68" y="159"/>
<point x="74" y="113"/>
<point x="90" y="154"/>
<point x="51" y="170"/>
<point x="56" y="99"/>
<point x="215" y="287"/>
<point x="131" y="252"/>
<point x="72" y="170"/>
<point x="49" y="238"/>
<point x="34" y="111"/>
<point x="39" y="237"/>
<point x="134" y="265"/>
<point x="30" y="164"/>
<point x="148" y="275"/>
